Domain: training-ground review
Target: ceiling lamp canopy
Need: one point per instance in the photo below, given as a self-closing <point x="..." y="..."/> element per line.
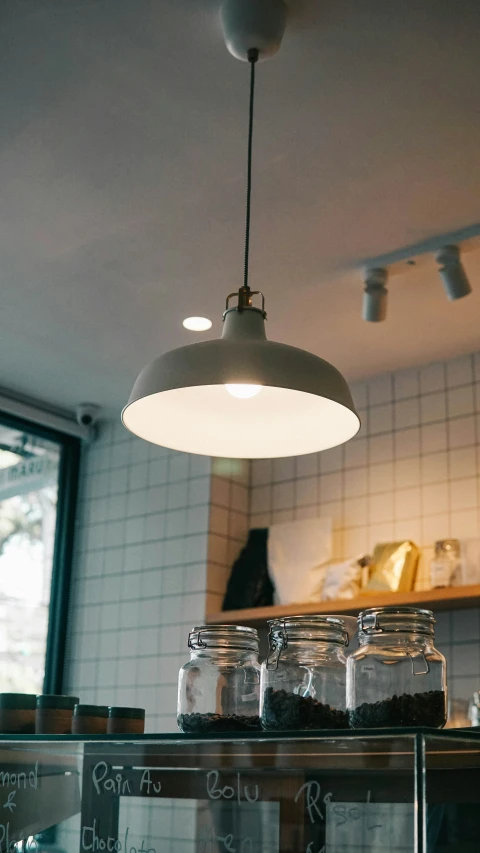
<point x="243" y="396"/>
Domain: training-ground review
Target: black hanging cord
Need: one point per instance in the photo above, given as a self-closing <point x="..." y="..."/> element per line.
<point x="252" y="58"/>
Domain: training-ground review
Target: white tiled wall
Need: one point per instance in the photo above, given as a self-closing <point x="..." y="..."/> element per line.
<point x="158" y="531"/>
<point x="139" y="575"/>
<point x="411" y="473"/>
<point x="230" y="497"/>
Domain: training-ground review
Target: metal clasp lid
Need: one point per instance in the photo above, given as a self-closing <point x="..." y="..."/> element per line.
<point x="276" y="644"/>
<point x="398" y="620"/>
<point x="369" y="623"/>
<point x="195" y="641"/>
<point x="420" y="665"/>
<point x="319" y="629"/>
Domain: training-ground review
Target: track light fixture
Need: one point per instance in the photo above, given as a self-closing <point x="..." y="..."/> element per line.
<point x="452" y="273"/>
<point x="375" y="295"/>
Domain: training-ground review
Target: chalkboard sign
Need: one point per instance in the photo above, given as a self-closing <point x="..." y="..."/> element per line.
<point x="369" y="827"/>
<point x="34" y="794"/>
<point x="133" y="809"/>
<point x="233" y="798"/>
<point x="150" y="810"/>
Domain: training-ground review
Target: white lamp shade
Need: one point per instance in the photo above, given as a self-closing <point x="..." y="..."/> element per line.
<point x="180" y="401"/>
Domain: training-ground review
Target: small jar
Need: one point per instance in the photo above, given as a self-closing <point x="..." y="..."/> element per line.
<point x="89" y="720"/>
<point x="396" y="677"/>
<point x="17" y="713"/>
<point x="446" y="566"/>
<point x="474" y="709"/>
<point x="304" y="676"/>
<point x="126" y="721"/>
<point x="219" y="687"/>
<point x="54" y="714"/>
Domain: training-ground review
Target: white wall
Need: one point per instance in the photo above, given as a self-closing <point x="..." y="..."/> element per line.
<point x="412" y="473"/>
<point x="139" y="574"/>
<point x="157" y="531"/>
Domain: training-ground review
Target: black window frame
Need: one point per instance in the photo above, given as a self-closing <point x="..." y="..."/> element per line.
<point x="68" y="478"/>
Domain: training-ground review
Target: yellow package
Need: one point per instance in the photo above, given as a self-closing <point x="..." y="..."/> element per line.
<point x="393" y="568"/>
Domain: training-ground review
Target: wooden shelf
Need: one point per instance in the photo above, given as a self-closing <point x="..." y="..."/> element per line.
<point x="449" y="598"/>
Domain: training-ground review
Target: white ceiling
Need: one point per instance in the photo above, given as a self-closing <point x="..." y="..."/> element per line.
<point x="122" y="147"/>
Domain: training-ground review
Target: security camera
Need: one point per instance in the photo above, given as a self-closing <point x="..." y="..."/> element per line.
<point x="87" y="414"/>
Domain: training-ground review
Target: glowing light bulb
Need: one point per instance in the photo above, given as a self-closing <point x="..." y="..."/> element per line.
<point x="243" y="392"/>
<point x="197" y="324"/>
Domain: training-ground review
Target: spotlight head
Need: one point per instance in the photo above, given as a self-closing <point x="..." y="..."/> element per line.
<point x="452" y="273"/>
<point x="375" y="295"/>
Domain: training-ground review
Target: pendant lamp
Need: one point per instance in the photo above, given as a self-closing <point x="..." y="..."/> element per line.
<point x="242" y="396"/>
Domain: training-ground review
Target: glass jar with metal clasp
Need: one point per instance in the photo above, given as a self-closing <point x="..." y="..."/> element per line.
<point x="303" y="682"/>
<point x="219" y="687"/>
<point x="396" y="677"/>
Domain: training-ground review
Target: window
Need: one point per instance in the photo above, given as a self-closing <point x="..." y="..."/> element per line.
<point x="38" y="484"/>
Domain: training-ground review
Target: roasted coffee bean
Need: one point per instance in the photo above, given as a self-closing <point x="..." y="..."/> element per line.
<point x="417" y="709"/>
<point x="198" y="723"/>
<point x="287" y="711"/>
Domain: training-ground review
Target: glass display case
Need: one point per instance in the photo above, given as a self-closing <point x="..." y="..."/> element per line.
<point x="371" y="792"/>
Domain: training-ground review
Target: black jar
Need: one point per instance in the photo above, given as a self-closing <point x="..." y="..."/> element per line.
<point x="54" y="714"/>
<point x="126" y="721"/>
<point x="17" y="713"/>
<point x="90" y="720"/>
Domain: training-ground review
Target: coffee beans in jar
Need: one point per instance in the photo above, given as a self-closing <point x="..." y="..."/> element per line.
<point x="304" y="676"/>
<point x="219" y="687"/>
<point x="396" y="677"/>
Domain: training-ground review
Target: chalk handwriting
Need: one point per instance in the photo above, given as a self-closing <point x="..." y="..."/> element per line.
<point x="212" y="843"/>
<point x="11" y="846"/>
<point x="10" y="804"/>
<point x="97" y="844"/>
<point x="243" y="792"/>
<point x="104" y="783"/>
<point x="344" y="813"/>
<point x="147" y="784"/>
<point x="20" y="780"/>
<point x="312" y="793"/>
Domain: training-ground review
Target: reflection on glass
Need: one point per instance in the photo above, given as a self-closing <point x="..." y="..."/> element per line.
<point x="315" y="795"/>
<point x="451" y="783"/>
<point x="335" y="794"/>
